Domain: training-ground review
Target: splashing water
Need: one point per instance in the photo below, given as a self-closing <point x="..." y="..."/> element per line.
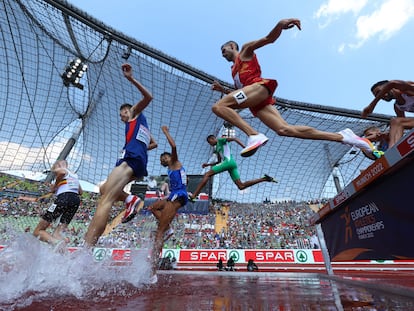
<point x="31" y="271"/>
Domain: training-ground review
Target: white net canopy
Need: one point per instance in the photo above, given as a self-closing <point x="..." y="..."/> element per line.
<point x="42" y="119"/>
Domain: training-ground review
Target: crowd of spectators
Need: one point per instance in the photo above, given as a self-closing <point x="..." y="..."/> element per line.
<point x="231" y="225"/>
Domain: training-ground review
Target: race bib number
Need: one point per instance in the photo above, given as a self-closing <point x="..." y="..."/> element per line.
<point x="52" y="208"/>
<point x="183" y="176"/>
<point x="240" y="97"/>
<point x="143" y="135"/>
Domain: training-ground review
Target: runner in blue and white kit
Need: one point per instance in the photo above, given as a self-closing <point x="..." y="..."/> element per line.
<point x="165" y="210"/>
<point x="131" y="165"/>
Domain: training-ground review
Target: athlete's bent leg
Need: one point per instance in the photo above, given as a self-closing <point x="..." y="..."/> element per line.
<point x="165" y="218"/>
<point x="243" y="185"/>
<point x="397" y="127"/>
<point x="119" y="177"/>
<point x="202" y="183"/>
<point x="225" y="107"/>
<point x="41" y="233"/>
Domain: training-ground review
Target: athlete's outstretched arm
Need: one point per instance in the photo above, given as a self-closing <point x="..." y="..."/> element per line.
<point x="248" y="48"/>
<point x="147" y="96"/>
<point x="216" y="86"/>
<point x="229" y="139"/>
<point x="174" y="154"/>
<point x="204" y="165"/>
<point x="153" y="143"/>
<point x="218" y="160"/>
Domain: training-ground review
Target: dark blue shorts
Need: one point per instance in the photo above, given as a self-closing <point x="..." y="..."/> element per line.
<point x="137" y="165"/>
<point x="179" y="196"/>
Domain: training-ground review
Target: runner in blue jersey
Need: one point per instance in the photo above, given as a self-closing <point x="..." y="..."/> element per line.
<point x="165" y="210"/>
<point x="131" y="165"/>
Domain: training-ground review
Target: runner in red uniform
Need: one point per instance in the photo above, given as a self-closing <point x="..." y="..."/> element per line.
<point x="256" y="93"/>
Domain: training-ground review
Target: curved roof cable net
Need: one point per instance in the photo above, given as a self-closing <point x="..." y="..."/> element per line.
<point x="182" y="101"/>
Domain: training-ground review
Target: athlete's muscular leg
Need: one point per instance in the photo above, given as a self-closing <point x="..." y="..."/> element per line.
<point x="397" y="127"/>
<point x="119" y="177"/>
<point x="60" y="229"/>
<point x="271" y="117"/>
<point x="122" y="196"/>
<point x="165" y="214"/>
<point x="243" y="185"/>
<point x="41" y="233"/>
<point x="202" y="183"/>
<point x="224" y="108"/>
<point x="157" y="208"/>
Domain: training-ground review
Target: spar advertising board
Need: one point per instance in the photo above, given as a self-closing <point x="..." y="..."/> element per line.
<point x="125" y="257"/>
<point x="243" y="255"/>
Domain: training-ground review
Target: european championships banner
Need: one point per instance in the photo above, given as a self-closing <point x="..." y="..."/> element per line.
<point x="376" y="224"/>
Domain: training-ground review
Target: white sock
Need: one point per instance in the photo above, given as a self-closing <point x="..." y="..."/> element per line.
<point x="129" y="198"/>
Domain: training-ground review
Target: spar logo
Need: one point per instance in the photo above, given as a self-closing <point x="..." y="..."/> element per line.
<point x="169" y="254"/>
<point x="202" y="255"/>
<point x="272" y="255"/>
<point x="235" y="255"/>
<point x="99" y="254"/>
<point x="301" y="256"/>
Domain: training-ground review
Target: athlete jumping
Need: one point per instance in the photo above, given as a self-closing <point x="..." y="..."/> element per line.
<point x="256" y="93"/>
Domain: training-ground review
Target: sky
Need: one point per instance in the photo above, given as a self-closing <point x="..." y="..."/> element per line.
<point x="343" y="48"/>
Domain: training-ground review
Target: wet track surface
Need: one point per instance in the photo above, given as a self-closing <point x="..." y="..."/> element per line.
<point x="183" y="290"/>
<point x="33" y="277"/>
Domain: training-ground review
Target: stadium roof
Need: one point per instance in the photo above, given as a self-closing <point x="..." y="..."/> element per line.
<point x="42" y="119"/>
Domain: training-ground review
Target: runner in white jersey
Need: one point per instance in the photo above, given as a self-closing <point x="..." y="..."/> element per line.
<point x="67" y="190"/>
<point x="403" y="94"/>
